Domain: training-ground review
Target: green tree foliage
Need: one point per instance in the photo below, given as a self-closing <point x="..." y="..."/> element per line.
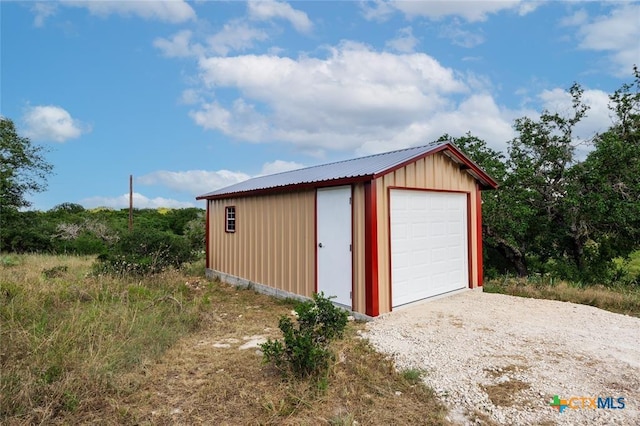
<point x="605" y="187"/>
<point x="23" y="169"/>
<point x="554" y="212"/>
<point x="145" y="252"/>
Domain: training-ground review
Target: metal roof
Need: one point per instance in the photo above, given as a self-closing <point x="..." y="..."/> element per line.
<point x="363" y="167"/>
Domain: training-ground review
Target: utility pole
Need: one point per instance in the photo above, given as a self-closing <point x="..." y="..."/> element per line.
<point x="130" y="203"/>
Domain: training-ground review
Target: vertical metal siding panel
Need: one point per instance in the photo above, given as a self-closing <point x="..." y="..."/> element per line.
<point x="400" y="177"/>
<point x="438" y="172"/>
<point x="310" y="229"/>
<point x="236" y="237"/>
<point x="421" y="179"/>
<point x="430" y="172"/>
<point x="223" y="240"/>
<point x="293" y="243"/>
<point x="410" y="175"/>
<point x="358" y="249"/>
<point x="383" y="240"/>
<point x="249" y="235"/>
<point x="288" y="205"/>
<point x="215" y="243"/>
<point x="273" y="243"/>
<point x="474" y="239"/>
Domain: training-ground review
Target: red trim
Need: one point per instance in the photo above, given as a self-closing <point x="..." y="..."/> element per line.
<point x="315" y="241"/>
<point x="352" y="201"/>
<point x="289" y="188"/>
<point x="467" y="165"/>
<point x="207" y="250"/>
<point x="226" y="217"/>
<point x="371" y="249"/>
<point x="480" y="260"/>
<point x="469" y="244"/>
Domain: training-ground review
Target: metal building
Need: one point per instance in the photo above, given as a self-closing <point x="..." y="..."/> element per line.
<point x="377" y="232"/>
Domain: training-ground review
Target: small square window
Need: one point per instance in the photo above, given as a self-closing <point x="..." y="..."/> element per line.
<point x="230" y="219"/>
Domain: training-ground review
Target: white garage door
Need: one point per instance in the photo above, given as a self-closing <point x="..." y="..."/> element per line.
<point x="429" y="249"/>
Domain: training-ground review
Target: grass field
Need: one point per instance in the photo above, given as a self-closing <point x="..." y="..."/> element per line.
<point x="83" y="349"/>
<point x="623" y="300"/>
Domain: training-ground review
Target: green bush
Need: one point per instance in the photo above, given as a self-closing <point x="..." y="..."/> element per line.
<point x="144" y="252"/>
<point x="304" y="350"/>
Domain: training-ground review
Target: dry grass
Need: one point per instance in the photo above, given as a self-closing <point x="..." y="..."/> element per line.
<point x="504" y="394"/>
<point x="624" y="300"/>
<point x="84" y="350"/>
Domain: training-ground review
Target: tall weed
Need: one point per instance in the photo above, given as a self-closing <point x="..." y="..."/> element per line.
<point x="68" y="336"/>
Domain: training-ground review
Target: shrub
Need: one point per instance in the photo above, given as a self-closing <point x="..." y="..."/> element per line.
<point x="304" y="350"/>
<point x="144" y="252"/>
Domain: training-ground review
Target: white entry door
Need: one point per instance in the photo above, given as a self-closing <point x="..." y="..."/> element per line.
<point x="429" y="249"/>
<point x="333" y="211"/>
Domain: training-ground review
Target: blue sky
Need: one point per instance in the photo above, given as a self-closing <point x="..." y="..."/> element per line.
<point x="192" y="96"/>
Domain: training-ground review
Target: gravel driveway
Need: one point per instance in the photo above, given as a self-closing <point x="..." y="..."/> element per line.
<point x="503" y="358"/>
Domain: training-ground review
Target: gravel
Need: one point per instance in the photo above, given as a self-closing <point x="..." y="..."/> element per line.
<point x="503" y="358"/>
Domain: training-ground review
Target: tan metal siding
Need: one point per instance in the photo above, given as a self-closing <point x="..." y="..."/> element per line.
<point x="274" y="242"/>
<point x="435" y="172"/>
<point x="359" y="301"/>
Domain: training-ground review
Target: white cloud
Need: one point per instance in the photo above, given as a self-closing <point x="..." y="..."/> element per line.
<point x="42" y="11"/>
<point x="353" y="97"/>
<point x="173" y="11"/>
<point x="241" y="121"/>
<point x="194" y="182"/>
<point x="179" y="45"/>
<point x="478" y="114"/>
<point x="139" y="202"/>
<point x="190" y="97"/>
<point x="269" y="9"/>
<point x="52" y="123"/>
<point x="376" y="10"/>
<point x="579" y="17"/>
<point x="405" y="42"/>
<point x="598" y="118"/>
<point x="279" y="166"/>
<point x="198" y="182"/>
<point x="235" y="36"/>
<point x="461" y="37"/>
<point x="471" y="11"/>
<point x="616" y="33"/>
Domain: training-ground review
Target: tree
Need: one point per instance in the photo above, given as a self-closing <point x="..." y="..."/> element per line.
<point x="23" y="169"/>
<point x="607" y="185"/>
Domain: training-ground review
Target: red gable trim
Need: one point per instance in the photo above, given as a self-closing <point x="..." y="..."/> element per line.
<point x="466" y="164"/>
<point x="289" y="188"/>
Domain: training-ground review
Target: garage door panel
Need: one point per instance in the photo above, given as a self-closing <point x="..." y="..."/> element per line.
<point x="429" y="249"/>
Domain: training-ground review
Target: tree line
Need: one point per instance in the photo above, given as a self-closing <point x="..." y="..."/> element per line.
<point x="558" y="214"/>
<point x="554" y="213"/>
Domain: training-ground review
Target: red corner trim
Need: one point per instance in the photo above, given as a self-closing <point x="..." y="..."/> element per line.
<point x="207" y="249"/>
<point x="469" y="242"/>
<point x="371" y="250"/>
<point x="479" y="235"/>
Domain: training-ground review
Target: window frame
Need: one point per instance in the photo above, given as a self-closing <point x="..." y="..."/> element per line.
<point x="230" y="223"/>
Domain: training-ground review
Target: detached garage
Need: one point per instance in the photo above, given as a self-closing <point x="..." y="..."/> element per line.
<point x="376" y="232"/>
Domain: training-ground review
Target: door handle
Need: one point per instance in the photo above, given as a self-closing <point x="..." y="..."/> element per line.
<point x="320" y="245"/>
